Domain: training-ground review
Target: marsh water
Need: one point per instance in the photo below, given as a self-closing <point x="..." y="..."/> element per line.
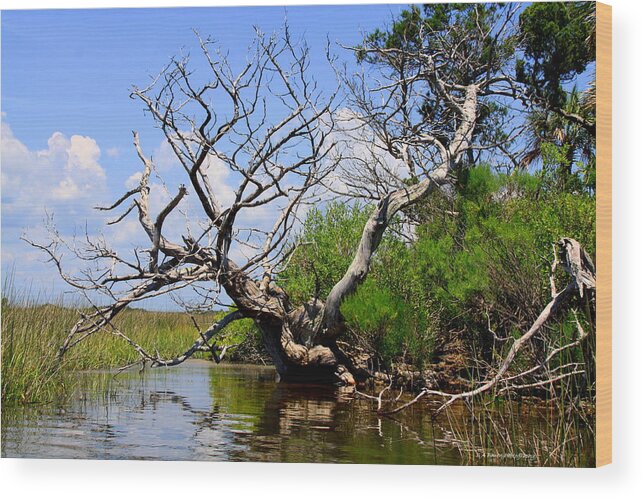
<point x="203" y="411"/>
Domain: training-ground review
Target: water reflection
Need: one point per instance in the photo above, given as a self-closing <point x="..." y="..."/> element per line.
<point x="238" y="413"/>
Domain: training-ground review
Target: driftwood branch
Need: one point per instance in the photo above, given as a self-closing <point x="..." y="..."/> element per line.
<point x="581" y="269"/>
<point x="200" y="345"/>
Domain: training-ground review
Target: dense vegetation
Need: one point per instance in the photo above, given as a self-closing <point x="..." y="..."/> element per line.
<point x="478" y="266"/>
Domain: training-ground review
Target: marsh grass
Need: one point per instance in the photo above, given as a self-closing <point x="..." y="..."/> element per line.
<point x="32" y="333"/>
<point x="522" y="433"/>
<point x="552" y="425"/>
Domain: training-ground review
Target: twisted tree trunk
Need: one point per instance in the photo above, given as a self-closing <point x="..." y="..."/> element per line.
<point x="303" y="341"/>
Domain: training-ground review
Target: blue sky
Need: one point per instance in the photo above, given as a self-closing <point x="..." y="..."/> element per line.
<point x="66" y="113"/>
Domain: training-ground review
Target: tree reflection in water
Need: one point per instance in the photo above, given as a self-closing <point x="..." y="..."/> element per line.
<point x="234" y="413"/>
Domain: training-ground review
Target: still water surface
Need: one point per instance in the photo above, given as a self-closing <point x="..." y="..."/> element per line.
<point x="201" y="411"/>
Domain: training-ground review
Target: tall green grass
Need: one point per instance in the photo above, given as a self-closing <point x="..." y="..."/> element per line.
<point x="523" y="432"/>
<point x="32" y="333"/>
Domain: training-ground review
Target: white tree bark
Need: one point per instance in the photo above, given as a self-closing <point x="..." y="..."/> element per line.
<point x="393" y="203"/>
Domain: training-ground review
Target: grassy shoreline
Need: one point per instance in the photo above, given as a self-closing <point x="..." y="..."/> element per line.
<point x="33" y="332"/>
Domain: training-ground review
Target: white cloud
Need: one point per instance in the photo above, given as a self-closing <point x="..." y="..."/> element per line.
<point x="218" y="176"/>
<point x="113" y="152"/>
<point x="216" y="171"/>
<point x="164" y="158"/>
<point x="366" y="166"/>
<point x="133" y="180"/>
<point x="65" y="177"/>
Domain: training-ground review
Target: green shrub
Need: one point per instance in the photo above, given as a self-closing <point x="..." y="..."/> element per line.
<point x="480" y="260"/>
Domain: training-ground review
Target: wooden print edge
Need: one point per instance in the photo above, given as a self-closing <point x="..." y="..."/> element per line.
<point x="604" y="234"/>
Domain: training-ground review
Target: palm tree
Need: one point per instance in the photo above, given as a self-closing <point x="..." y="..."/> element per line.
<point x="556" y="141"/>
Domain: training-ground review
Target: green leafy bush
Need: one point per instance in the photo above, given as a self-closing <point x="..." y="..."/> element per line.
<point x="479" y="261"/>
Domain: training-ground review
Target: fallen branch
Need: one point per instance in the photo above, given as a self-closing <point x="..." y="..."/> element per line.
<point x="200" y="345"/>
<point x="578" y="264"/>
